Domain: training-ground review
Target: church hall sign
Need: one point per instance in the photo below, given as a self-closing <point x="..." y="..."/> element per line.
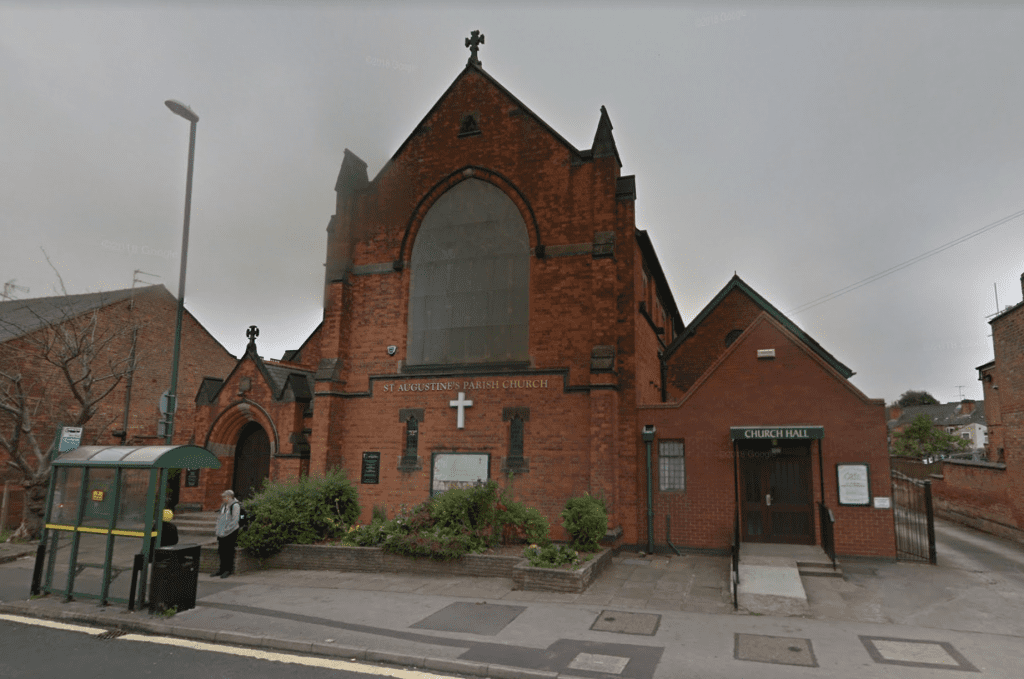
<point x="785" y="432"/>
<point x="465" y="385"/>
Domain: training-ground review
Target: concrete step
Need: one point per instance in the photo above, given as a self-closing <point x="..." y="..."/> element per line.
<point x="771" y="585"/>
<point x="817" y="569"/>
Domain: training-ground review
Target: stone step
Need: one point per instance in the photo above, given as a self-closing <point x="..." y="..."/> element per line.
<point x="771" y="586"/>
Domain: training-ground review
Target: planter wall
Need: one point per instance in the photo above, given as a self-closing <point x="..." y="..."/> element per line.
<point x="374" y="560"/>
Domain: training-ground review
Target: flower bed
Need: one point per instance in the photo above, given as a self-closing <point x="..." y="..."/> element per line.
<point x="375" y="560"/>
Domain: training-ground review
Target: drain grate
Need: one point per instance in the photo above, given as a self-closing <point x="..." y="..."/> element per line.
<point x="112" y="634"/>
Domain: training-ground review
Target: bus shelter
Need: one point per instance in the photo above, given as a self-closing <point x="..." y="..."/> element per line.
<point x="104" y="515"/>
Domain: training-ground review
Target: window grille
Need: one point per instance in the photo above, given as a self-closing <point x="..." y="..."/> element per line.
<point x="671" y="465"/>
<point x="515" y="439"/>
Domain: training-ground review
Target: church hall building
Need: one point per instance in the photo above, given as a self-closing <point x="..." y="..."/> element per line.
<point x="492" y="311"/>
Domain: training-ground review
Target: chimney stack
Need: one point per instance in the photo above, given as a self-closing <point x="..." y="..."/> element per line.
<point x="966" y="406"/>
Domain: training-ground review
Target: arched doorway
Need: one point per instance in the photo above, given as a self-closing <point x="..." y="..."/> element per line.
<point x="252" y="460"/>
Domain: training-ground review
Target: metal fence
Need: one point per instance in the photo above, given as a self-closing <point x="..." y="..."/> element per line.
<point x="914" y="518"/>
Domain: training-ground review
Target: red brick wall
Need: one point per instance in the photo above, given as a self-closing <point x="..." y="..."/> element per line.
<point x="989" y="497"/>
<point x="795" y="387"/>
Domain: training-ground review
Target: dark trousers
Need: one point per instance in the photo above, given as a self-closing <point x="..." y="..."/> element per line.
<point x="226" y="549"/>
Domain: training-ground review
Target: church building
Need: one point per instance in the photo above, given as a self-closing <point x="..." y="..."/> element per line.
<point x="492" y="311"/>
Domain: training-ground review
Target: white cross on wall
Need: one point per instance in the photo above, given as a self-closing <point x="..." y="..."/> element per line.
<point x="461" y="403"/>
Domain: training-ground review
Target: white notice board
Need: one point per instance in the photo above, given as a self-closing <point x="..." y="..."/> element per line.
<point x="854" y="482"/>
<point x="458" y="470"/>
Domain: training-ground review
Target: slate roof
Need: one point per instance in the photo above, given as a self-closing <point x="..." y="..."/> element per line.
<point x="23" y="316"/>
<point x="285" y="377"/>
<point x="942" y="415"/>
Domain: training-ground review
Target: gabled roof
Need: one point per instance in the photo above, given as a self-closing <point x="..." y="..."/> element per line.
<point x="287" y="381"/>
<point x="23" y="316"/>
<point x="738" y="284"/>
<point x="604" y="143"/>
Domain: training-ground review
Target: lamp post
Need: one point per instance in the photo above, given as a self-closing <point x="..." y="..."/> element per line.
<point x="172" y="403"/>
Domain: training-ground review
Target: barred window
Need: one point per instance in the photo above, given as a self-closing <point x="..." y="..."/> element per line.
<point x="515" y="439"/>
<point x="671" y="465"/>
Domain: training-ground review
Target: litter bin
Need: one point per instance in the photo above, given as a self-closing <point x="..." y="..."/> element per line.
<point x="175" y="578"/>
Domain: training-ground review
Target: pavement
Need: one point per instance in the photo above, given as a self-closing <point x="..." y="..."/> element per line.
<point x="644" y="617"/>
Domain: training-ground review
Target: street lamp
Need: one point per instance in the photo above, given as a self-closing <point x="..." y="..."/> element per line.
<point x="172" y="405"/>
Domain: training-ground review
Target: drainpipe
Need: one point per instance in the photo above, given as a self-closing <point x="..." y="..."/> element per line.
<point x="648" y="434"/>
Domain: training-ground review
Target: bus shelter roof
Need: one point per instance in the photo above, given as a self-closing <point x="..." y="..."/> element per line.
<point x="140" y="457"/>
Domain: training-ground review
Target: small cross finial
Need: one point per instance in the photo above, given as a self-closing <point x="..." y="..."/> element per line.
<point x="252" y="333"/>
<point x="473" y="43"/>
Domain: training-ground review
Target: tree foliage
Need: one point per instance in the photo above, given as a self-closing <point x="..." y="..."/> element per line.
<point x="916" y="398"/>
<point x="923" y="439"/>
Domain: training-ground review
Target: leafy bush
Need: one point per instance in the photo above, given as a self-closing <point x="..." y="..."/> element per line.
<point x="303" y="511"/>
<point x="520" y="523"/>
<point x="552" y="556"/>
<point x="586" y="520"/>
<point x="380" y="513"/>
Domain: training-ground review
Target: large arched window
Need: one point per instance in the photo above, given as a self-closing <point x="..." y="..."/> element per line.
<point x="469" y="294"/>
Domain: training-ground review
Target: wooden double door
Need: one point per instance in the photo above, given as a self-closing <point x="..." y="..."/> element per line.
<point x="776" y="493"/>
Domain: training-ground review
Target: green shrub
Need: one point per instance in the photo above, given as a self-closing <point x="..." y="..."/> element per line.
<point x="586" y="520"/>
<point x="303" y="511"/>
<point x="520" y="523"/>
<point x="380" y="513"/>
<point x="552" y="556"/>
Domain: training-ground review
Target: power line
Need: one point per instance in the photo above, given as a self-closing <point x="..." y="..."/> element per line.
<point x="891" y="270"/>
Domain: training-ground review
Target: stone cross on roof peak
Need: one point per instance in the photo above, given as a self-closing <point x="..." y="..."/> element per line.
<point x="473" y="43"/>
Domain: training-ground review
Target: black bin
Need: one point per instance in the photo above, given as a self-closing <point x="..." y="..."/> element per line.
<point x="175" y="578"/>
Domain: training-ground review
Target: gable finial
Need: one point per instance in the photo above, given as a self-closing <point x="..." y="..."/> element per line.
<point x="473" y="43"/>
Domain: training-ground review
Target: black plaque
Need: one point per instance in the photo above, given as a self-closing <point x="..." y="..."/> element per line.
<point x="191" y="478"/>
<point x="371" y="468"/>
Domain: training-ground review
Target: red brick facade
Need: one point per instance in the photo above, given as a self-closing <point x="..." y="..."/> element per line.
<point x="152" y="310"/>
<point x="990" y="496"/>
<point x="601" y="320"/>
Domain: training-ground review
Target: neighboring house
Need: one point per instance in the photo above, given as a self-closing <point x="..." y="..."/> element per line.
<point x="989" y="495"/>
<point x="965" y="419"/>
<point x="129" y="414"/>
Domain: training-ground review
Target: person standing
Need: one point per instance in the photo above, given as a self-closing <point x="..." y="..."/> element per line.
<point x="227" y="533"/>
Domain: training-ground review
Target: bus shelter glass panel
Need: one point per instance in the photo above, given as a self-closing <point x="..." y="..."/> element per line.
<point x="132" y="510"/>
<point x="63" y="516"/>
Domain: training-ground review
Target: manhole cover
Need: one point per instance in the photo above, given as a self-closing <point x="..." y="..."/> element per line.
<point x="627" y="623"/>
<point x="472" y="618"/>
<point x="777" y="650"/>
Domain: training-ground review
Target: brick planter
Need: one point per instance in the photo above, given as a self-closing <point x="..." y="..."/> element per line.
<point x="374" y="560"/>
<point x="527" y="577"/>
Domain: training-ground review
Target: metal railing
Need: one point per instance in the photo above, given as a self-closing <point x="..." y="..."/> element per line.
<point x="914" y="518"/>
<point x="828" y="532"/>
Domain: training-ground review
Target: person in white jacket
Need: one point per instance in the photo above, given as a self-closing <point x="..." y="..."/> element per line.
<point x="227" y="533"/>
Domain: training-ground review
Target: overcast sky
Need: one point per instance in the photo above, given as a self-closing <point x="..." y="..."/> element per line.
<point x="805" y="147"/>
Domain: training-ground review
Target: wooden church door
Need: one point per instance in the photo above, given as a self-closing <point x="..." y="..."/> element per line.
<point x="776" y="495"/>
<point x="252" y="461"/>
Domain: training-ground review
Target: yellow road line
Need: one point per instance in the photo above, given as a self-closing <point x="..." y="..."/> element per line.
<point x="51" y="624"/>
<point x="325" y="663"/>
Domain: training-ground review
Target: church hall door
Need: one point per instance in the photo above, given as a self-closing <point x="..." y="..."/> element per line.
<point x="252" y="461"/>
<point x="776" y="492"/>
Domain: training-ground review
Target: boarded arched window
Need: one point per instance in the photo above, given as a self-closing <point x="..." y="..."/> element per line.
<point x="470" y="281"/>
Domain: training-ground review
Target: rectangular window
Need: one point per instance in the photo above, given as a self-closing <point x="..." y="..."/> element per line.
<point x="671" y="465"/>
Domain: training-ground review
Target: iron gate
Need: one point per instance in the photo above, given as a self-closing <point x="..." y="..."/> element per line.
<point x="915" y="521"/>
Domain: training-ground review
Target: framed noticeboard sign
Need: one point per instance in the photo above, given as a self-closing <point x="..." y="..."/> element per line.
<point x="371" y="468"/>
<point x="854" y="483"/>
<point x="458" y="470"/>
<point x="191" y="478"/>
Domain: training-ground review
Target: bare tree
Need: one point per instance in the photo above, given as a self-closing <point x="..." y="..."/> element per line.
<point x="58" y="365"/>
